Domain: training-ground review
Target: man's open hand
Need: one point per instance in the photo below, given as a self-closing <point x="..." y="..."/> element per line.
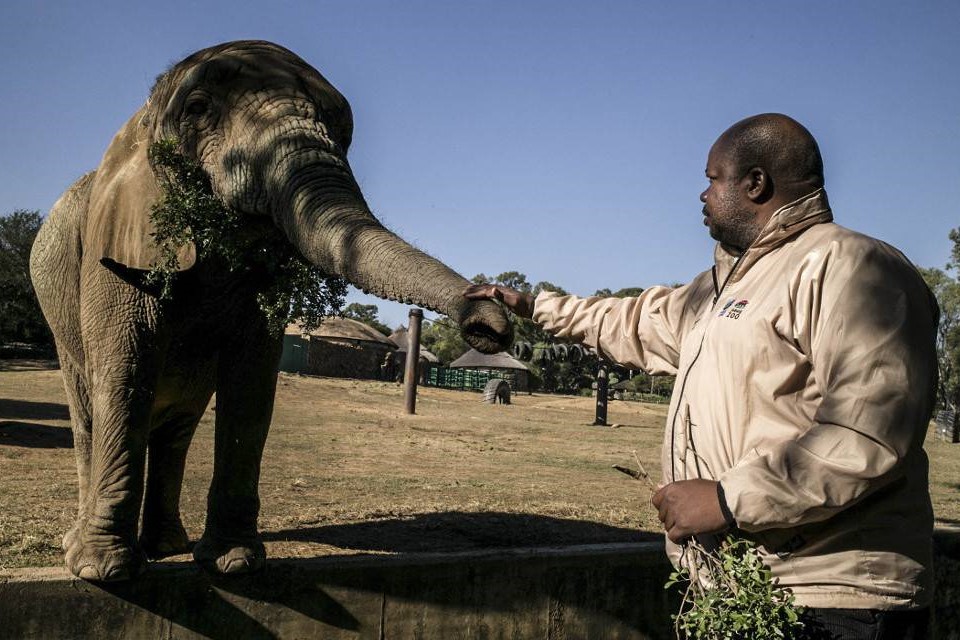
<point x="518" y="302"/>
<point x="689" y="507"/>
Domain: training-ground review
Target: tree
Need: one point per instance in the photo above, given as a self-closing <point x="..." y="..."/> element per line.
<point x="443" y="339"/>
<point x="626" y="292"/>
<point x="947" y="291"/>
<point x="548" y="286"/>
<point x="367" y="314"/>
<point x="955" y="253"/>
<point x="514" y="280"/>
<point x="20" y="317"/>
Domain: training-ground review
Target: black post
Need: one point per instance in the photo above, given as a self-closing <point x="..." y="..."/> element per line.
<point x="413" y="357"/>
<point x="601" y="420"/>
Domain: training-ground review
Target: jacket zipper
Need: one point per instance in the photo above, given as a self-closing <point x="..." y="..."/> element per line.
<point x="718" y="292"/>
<point x="686" y="373"/>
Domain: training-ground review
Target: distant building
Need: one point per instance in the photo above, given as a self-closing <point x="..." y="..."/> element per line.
<point x="339" y="348"/>
<point x="496" y="365"/>
<point x="400" y="337"/>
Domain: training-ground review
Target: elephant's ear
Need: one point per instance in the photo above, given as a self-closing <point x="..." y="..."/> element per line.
<point x="119" y="228"/>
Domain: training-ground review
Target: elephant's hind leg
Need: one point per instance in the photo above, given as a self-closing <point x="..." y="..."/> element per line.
<point x="162" y="533"/>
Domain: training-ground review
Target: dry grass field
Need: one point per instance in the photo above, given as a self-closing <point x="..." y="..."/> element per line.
<point x="346" y="471"/>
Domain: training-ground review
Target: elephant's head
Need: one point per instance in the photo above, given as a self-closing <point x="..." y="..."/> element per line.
<point x="272" y="136"/>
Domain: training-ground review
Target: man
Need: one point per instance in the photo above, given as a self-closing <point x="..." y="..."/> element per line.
<point x="806" y="369"/>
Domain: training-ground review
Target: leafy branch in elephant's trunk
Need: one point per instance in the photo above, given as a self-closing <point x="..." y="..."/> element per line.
<point x="189" y="211"/>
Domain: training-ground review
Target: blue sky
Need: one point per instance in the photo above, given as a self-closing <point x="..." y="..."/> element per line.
<point x="563" y="140"/>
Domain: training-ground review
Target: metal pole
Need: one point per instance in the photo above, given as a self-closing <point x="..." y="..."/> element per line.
<point x="601" y="420"/>
<point x="413" y="357"/>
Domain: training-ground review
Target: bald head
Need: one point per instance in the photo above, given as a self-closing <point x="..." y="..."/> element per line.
<point x="756" y="167"/>
<point x="779" y="145"/>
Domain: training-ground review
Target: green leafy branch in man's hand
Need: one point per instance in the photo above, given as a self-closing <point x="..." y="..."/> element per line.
<point x="731" y="594"/>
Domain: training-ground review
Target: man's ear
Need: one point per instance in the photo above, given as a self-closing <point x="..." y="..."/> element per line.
<point x="758" y="186"/>
<point x="118" y="226"/>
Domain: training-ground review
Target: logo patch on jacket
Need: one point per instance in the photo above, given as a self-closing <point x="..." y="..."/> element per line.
<point x="733" y="308"/>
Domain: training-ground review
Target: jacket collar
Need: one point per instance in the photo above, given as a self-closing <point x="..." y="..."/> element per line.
<point x="787" y="222"/>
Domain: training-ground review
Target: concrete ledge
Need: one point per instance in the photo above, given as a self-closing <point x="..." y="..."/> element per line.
<point x="593" y="591"/>
<point x="590" y="591"/>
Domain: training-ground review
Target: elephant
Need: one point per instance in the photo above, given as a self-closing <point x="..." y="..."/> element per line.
<point x="270" y="136"/>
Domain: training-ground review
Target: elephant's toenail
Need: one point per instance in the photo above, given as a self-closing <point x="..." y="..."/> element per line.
<point x="89" y="572"/>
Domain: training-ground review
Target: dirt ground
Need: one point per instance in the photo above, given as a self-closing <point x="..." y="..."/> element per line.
<point x="347" y="471"/>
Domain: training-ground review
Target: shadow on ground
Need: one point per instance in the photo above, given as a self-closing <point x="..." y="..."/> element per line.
<point x="29" y="410"/>
<point x="461" y="531"/>
<point x="233" y="608"/>
<point x="27" y="364"/>
<point x="408" y="591"/>
<point x="35" y="436"/>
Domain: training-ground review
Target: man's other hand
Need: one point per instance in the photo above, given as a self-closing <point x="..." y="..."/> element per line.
<point x="518" y="302"/>
<point x="689" y="507"/>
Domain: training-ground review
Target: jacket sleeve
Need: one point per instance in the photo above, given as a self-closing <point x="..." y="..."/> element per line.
<point x="871" y="346"/>
<point x="643" y="332"/>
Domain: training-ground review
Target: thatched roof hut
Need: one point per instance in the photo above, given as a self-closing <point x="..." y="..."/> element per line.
<point x="400" y="337"/>
<point x="339" y="328"/>
<point x="473" y="359"/>
<point x="509" y="368"/>
<point x="339" y="347"/>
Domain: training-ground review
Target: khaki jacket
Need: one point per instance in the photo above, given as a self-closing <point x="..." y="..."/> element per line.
<point x="805" y="372"/>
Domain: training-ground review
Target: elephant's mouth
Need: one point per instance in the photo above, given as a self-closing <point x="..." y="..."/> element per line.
<point x="484" y="338"/>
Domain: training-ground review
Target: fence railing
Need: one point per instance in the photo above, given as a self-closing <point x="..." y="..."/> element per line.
<point x="467" y="379"/>
<point x="947" y="426"/>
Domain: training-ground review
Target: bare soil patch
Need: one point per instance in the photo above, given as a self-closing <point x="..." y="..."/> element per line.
<point x="347" y="471"/>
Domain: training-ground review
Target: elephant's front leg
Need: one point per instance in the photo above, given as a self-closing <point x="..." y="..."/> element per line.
<point x="246" y="384"/>
<point x="122" y="346"/>
<point x="102" y="545"/>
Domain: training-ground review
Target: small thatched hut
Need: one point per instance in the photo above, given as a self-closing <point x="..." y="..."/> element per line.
<point x="339" y="347"/>
<point x="503" y="364"/>
<point x="400" y="337"/>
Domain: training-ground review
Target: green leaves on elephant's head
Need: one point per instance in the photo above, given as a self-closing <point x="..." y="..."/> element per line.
<point x="190" y="212"/>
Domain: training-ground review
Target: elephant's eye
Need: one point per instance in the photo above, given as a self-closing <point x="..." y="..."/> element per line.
<point x="196" y="107"/>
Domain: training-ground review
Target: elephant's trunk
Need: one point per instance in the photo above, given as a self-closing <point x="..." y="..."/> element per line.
<point x="325" y="216"/>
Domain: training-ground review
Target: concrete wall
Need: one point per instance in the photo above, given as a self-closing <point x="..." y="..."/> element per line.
<point x="594" y="591"/>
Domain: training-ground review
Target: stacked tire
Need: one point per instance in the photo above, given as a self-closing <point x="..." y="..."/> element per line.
<point x="497" y="391"/>
<point x="543" y="353"/>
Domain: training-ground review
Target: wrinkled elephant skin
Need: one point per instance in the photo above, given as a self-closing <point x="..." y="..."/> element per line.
<point x="271" y="135"/>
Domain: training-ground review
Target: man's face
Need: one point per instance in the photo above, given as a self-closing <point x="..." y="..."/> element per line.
<point x="726" y="209"/>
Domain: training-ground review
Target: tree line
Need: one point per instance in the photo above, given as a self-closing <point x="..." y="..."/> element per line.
<point x="21" y="321"/>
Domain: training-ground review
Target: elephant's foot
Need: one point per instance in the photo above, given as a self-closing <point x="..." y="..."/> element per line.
<point x="164" y="540"/>
<point x="70" y="537"/>
<point x="100" y="557"/>
<point x="230" y="556"/>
